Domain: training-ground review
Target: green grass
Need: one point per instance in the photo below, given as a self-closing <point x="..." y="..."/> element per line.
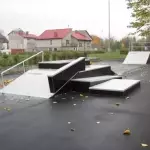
<point x="108" y="56"/>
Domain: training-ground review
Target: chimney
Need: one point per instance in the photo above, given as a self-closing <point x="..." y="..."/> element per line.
<point x="27" y="32"/>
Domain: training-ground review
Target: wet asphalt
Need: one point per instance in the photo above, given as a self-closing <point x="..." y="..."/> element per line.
<point x="38" y="124"/>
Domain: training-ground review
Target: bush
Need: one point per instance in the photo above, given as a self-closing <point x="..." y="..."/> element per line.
<point x="95" y="52"/>
<point x="5" y="56"/>
<point x="53" y="56"/>
<point x="46" y="55"/>
<point x="124" y="51"/>
<point x="16" y="58"/>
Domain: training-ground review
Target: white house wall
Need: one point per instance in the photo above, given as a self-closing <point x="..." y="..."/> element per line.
<point x="31" y="44"/>
<point x="68" y="37"/>
<point x="85" y="44"/>
<point x="41" y="44"/>
<point x="16" y="41"/>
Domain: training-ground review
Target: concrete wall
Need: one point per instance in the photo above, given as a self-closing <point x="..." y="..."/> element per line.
<point x="16" y="41"/>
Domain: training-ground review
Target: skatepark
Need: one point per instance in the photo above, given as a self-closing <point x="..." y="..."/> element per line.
<point x="73" y="105"/>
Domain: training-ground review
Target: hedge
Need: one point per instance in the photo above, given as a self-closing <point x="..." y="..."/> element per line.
<point x="10" y="60"/>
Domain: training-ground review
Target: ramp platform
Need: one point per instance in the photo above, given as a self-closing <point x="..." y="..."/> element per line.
<point x="57" y="64"/>
<point x="65" y="73"/>
<point x="115" y="86"/>
<point x="137" y="57"/>
<point x="33" y="83"/>
<point x="74" y="75"/>
<point x="83" y="84"/>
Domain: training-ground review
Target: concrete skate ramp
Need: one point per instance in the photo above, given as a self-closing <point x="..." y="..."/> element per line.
<point x="137" y="57"/>
<point x="32" y="83"/>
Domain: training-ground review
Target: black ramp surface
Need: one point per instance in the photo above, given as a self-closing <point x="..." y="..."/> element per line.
<point x="83" y="84"/>
<point x="57" y="64"/>
<point x="43" y="125"/>
<point x="97" y="71"/>
<point x="53" y="64"/>
<point x="65" y="73"/>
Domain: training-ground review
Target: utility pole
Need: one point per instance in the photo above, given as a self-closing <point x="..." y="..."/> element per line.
<point x="109" y="46"/>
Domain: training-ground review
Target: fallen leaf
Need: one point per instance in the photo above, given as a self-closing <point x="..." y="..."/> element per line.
<point x="74" y="104"/>
<point x="98" y="122"/>
<point x="54" y="102"/>
<point x="144" y="145"/>
<point x="69" y="122"/>
<point x="8" y="109"/>
<point x="111" y="113"/>
<point x="72" y="129"/>
<point x="127" y="132"/>
<point x="117" y="104"/>
<point x="81" y="95"/>
<point x="86" y="96"/>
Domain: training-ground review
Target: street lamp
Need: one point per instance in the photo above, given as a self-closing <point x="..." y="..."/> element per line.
<point x="109" y="49"/>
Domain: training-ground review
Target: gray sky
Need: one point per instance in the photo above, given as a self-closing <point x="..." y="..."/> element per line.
<point x="36" y="16"/>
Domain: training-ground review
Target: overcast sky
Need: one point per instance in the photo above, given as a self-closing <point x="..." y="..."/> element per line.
<point x="36" y="16"/>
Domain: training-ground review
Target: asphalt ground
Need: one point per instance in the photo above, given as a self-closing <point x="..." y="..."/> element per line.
<point x="97" y="123"/>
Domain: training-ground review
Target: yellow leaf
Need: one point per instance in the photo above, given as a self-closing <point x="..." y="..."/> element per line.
<point x="81" y="95"/>
<point x="8" y="109"/>
<point x="127" y="132"/>
<point x="144" y="145"/>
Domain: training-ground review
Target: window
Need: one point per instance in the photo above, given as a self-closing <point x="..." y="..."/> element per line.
<point x="88" y="44"/>
<point x="80" y="44"/>
<point x="67" y="42"/>
<point x="50" y="42"/>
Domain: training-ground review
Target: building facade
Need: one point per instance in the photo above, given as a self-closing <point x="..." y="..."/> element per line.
<point x="51" y="40"/>
<point x="18" y="39"/>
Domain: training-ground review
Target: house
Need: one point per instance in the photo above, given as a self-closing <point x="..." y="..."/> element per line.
<point x="3" y="42"/>
<point x="57" y="39"/>
<point x="63" y="39"/>
<point x="20" y="40"/>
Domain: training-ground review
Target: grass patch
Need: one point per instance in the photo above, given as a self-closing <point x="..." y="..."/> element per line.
<point x="108" y="56"/>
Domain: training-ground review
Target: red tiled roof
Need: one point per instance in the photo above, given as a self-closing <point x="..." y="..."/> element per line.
<point x="54" y="34"/>
<point x="32" y="36"/>
<point x="80" y="36"/>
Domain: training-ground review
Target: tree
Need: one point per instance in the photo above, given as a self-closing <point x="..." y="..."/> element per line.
<point x="96" y="42"/>
<point x="141" y="15"/>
